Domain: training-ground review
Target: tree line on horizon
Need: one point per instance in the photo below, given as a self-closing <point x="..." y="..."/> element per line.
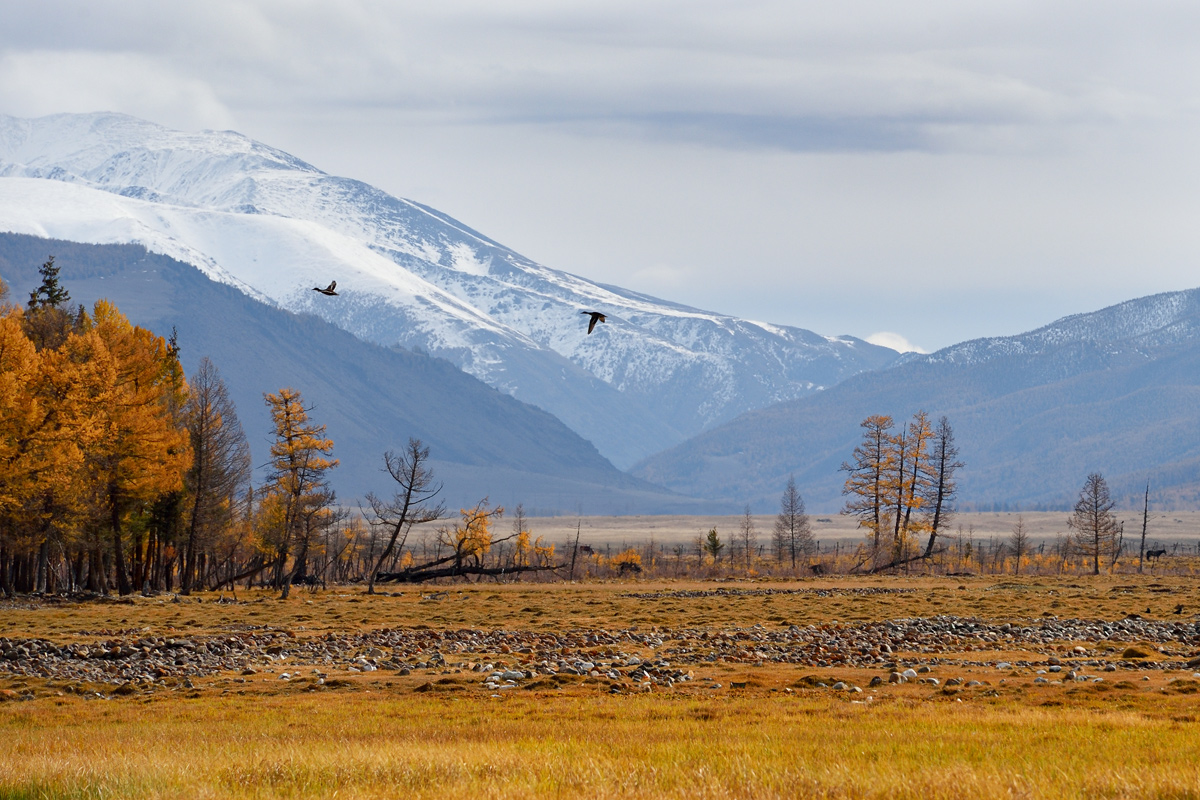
<point x="117" y="472"/>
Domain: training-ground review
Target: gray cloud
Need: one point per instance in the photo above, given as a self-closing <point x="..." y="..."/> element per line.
<point x="871" y="75"/>
<point x="774" y="159"/>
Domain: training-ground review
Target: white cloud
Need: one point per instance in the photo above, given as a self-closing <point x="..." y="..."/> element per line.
<point x="38" y="83"/>
<point x="832" y="166"/>
<point x="894" y="341"/>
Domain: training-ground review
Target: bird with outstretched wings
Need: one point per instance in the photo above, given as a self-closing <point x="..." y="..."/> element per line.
<point x="596" y="316"/>
<point x="329" y="290"/>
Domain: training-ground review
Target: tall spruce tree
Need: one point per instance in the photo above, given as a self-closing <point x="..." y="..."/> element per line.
<point x="50" y="294"/>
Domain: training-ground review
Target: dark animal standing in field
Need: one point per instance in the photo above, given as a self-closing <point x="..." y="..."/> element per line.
<point x="1179" y="609"/>
<point x="596" y="316"/>
<point x="329" y="290"/>
<point x="1151" y="555"/>
<point x="817" y="569"/>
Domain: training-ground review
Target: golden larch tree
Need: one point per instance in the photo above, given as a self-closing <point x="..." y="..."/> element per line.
<point x="872" y="462"/>
<point x="142" y="451"/>
<point x="297" y="491"/>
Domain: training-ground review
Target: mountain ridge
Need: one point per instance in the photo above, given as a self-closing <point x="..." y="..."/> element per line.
<point x="1113" y="390"/>
<point x="371" y="398"/>
<point x="274" y="226"/>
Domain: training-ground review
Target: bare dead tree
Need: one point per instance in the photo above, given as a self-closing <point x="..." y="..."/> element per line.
<point x="1145" y="524"/>
<point x="747" y="538"/>
<point x="1095" y="526"/>
<point x="410" y="505"/>
<point x="943" y="464"/>
<point x="220" y="464"/>
<point x="467" y="546"/>
<point x="575" y="547"/>
<point x="1018" y="542"/>
<point x="792" y="530"/>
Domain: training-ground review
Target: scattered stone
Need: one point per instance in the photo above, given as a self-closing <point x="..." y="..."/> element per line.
<point x="116" y="658"/>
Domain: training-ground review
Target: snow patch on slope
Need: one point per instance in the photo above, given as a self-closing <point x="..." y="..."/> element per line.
<point x="274" y="226"/>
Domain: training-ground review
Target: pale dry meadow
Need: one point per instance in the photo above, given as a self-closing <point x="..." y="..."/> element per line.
<point x="1032" y="686"/>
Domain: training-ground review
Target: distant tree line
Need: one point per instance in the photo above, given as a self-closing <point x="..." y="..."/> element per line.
<point x="117" y="473"/>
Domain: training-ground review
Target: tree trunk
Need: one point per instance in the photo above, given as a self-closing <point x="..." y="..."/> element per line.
<point x="80" y="566"/>
<point x="256" y="567"/>
<point x="42" y="568"/>
<point x="1145" y="521"/>
<point x="186" y="575"/>
<point x="96" y="577"/>
<point x="457" y="570"/>
<point x="118" y="552"/>
<point x="5" y="576"/>
<point x="136" y="562"/>
<point x="383" y="556"/>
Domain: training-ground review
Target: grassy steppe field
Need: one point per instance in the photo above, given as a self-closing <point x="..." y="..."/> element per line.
<point x="758" y="714"/>
<point x="1165" y="528"/>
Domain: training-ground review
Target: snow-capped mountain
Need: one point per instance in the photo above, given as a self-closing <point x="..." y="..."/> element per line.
<point x="370" y="398"/>
<point x="1113" y="391"/>
<point x="274" y="227"/>
<point x="1147" y="322"/>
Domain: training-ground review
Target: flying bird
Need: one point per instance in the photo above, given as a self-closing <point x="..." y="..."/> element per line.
<point x="596" y="316"/>
<point x="329" y="290"/>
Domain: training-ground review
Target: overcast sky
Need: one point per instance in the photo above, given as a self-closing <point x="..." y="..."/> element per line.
<point x="936" y="170"/>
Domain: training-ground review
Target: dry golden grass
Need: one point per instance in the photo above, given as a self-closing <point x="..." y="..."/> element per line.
<point x="375" y="735"/>
<point x="609" y="605"/>
<point x="378" y="745"/>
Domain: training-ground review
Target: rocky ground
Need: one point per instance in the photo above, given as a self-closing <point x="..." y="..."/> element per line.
<point x="1045" y="649"/>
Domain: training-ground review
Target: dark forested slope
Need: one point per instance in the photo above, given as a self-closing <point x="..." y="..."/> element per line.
<point x="372" y="398"/>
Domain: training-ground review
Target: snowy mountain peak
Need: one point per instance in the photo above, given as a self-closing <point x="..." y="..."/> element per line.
<point x="1146" y="322"/>
<point x="274" y="226"/>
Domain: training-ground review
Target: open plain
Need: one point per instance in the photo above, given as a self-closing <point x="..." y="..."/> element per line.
<point x="1164" y="529"/>
<point x="837" y="687"/>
